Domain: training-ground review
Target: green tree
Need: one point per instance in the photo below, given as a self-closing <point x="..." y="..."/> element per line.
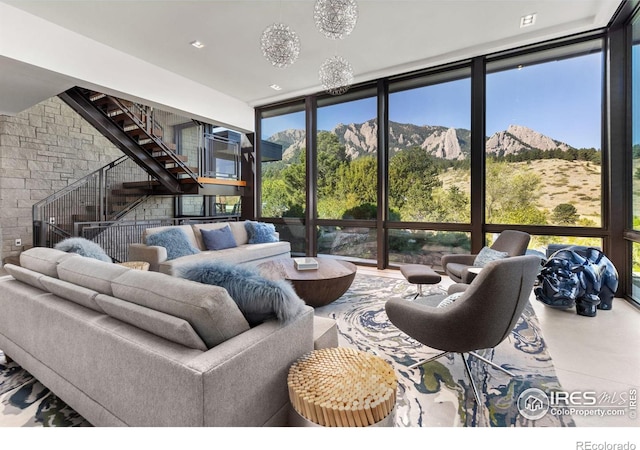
<point x="565" y="214"/>
<point x="511" y="197"/>
<point x="360" y="178"/>
<point x="450" y="205"/>
<point x="274" y="197"/>
<point x="332" y="156"/>
<point x="412" y="177"/>
<point x="295" y="176"/>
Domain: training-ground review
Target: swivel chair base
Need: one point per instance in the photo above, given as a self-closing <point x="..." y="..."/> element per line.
<point x="476" y="393"/>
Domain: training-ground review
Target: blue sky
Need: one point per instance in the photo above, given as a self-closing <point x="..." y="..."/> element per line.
<point x="561" y="99"/>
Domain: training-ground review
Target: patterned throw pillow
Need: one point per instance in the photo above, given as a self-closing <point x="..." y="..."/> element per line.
<point x="260" y="232"/>
<point x="450" y="299"/>
<point x="175" y="241"/>
<point x="487" y="255"/>
<point x="218" y="239"/>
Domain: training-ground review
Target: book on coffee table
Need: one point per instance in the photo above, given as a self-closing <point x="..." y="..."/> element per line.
<point x="305" y="263"/>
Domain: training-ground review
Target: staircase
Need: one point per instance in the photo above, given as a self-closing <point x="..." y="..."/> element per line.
<point x="98" y="197"/>
<point x="150" y="166"/>
<point x="132" y="128"/>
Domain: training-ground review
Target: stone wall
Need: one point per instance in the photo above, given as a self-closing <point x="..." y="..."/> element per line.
<point x="42" y="150"/>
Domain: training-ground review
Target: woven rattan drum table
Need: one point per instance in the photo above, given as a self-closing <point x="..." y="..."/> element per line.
<point x="342" y="387"/>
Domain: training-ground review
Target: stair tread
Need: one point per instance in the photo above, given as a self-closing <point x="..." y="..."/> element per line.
<point x="151" y="146"/>
<point x="180" y="170"/>
<point x="167" y="158"/>
<point x="140" y="132"/>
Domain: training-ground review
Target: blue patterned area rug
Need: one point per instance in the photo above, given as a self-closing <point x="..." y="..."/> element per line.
<point x="439" y="393"/>
<point x="436" y="394"/>
<point x="25" y="402"/>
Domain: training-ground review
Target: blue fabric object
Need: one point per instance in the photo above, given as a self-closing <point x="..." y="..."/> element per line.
<point x="258" y="298"/>
<point x="83" y="247"/>
<point x="260" y="232"/>
<point x="218" y="239"/>
<point x="486" y="255"/>
<point x="174" y="240"/>
<point x="449" y="300"/>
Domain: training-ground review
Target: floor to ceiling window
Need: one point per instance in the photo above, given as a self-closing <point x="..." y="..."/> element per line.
<point x="635" y="156"/>
<point x="543" y="155"/>
<point x="515" y="140"/>
<point x="429" y="165"/>
<point x="282" y="162"/>
<point x="347" y="174"/>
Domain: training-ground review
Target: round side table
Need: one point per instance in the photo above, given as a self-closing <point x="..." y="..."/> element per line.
<point x="138" y="265"/>
<point x="342" y="387"/>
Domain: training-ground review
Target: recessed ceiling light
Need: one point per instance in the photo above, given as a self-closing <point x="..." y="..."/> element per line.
<point x="528" y="20"/>
<point x="197" y="44"/>
<point x="275" y="87"/>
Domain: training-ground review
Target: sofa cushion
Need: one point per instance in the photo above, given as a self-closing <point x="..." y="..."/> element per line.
<point x="44" y="260"/>
<point x="30" y="277"/>
<point x="72" y="292"/>
<point x="257" y="297"/>
<point x="175" y="240"/>
<point x="209" y="309"/>
<point x="486" y="255"/>
<point x="237" y="229"/>
<point x="90" y="273"/>
<point x="218" y="239"/>
<point x="242" y="254"/>
<point x="155" y="322"/>
<point x="83" y="247"/>
<point x="260" y="232"/>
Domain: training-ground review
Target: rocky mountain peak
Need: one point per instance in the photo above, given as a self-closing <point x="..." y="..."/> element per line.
<point x="442" y="142"/>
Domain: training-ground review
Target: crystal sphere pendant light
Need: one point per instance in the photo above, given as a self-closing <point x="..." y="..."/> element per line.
<point x="335" y="18"/>
<point x="280" y="45"/>
<point x="336" y="75"/>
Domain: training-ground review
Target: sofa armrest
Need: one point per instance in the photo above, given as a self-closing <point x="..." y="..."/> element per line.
<point x="245" y="377"/>
<point x="152" y="254"/>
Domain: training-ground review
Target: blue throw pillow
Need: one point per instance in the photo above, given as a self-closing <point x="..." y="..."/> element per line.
<point x="260" y="232"/>
<point x="258" y="298"/>
<point x="174" y="240"/>
<point x="218" y="239"/>
<point x="487" y="255"/>
<point x="83" y="247"/>
<point x="449" y="300"/>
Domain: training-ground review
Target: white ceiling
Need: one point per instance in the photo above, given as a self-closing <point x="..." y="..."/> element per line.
<point x="391" y="37"/>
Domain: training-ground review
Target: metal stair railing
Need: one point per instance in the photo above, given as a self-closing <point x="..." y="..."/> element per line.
<point x="147" y="127"/>
<point x="90" y="198"/>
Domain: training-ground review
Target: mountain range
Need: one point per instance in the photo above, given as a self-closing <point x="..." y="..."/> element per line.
<point x="442" y="142"/>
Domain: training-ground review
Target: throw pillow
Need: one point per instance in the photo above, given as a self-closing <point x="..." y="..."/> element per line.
<point x="218" y="239"/>
<point x="450" y="299"/>
<point x="487" y="255"/>
<point x="258" y="298"/>
<point x="175" y="241"/>
<point x="83" y="247"/>
<point x="260" y="232"/>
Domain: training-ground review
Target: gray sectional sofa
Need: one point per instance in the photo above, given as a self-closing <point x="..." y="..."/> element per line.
<point x="125" y="347"/>
<point x="244" y="253"/>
